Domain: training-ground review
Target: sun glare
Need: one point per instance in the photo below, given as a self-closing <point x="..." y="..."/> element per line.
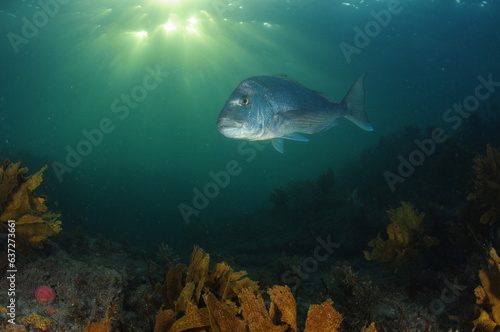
<point x="191" y="29"/>
<point x="170" y="2"/>
<point x="169" y="26"/>
<point x="141" y="34"/>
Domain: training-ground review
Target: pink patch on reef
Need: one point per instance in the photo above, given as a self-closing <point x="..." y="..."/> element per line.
<point x="50" y="310"/>
<point x="44" y="294"/>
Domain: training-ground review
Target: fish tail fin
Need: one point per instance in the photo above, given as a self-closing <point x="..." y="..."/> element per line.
<point x="354" y="102"/>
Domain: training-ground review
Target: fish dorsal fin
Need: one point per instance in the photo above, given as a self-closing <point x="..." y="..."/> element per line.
<point x="324" y="95"/>
<point x="285" y="77"/>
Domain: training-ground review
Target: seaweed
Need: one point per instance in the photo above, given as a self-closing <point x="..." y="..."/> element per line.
<point x="405" y="240"/>
<point x="488" y="296"/>
<point x="104" y="325"/>
<point x="487" y="186"/>
<point x="34" y="223"/>
<point x="222" y="300"/>
<point x="359" y="297"/>
<point x="37" y="322"/>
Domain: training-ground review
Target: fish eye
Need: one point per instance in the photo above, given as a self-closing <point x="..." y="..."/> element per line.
<point x="244" y="101"/>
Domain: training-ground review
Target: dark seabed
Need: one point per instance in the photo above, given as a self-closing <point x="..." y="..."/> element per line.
<point x="120" y="100"/>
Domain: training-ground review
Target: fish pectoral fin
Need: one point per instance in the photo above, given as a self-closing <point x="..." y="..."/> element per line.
<point x="295" y="137"/>
<point x="278" y="144"/>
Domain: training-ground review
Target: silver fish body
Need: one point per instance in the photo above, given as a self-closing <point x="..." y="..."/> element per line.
<point x="276" y="108"/>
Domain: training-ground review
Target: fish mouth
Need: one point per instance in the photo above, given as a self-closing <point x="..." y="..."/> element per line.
<point x="225" y="124"/>
<point x="230" y="128"/>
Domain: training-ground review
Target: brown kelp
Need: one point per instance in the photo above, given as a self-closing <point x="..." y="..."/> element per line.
<point x="487" y="186"/>
<point x="222" y="300"/>
<point x="34" y="223"/>
<point x="405" y="240"/>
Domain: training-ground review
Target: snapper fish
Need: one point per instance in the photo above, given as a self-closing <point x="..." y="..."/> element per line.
<point x="277" y="108"/>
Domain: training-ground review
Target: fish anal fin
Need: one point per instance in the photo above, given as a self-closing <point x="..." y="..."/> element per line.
<point x="330" y="125"/>
<point x="295" y="137"/>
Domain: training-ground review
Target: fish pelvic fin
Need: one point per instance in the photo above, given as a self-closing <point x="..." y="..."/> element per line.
<point x="278" y="144"/>
<point x="354" y="102"/>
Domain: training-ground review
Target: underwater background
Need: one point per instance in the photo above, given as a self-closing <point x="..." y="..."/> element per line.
<point x="120" y="99"/>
